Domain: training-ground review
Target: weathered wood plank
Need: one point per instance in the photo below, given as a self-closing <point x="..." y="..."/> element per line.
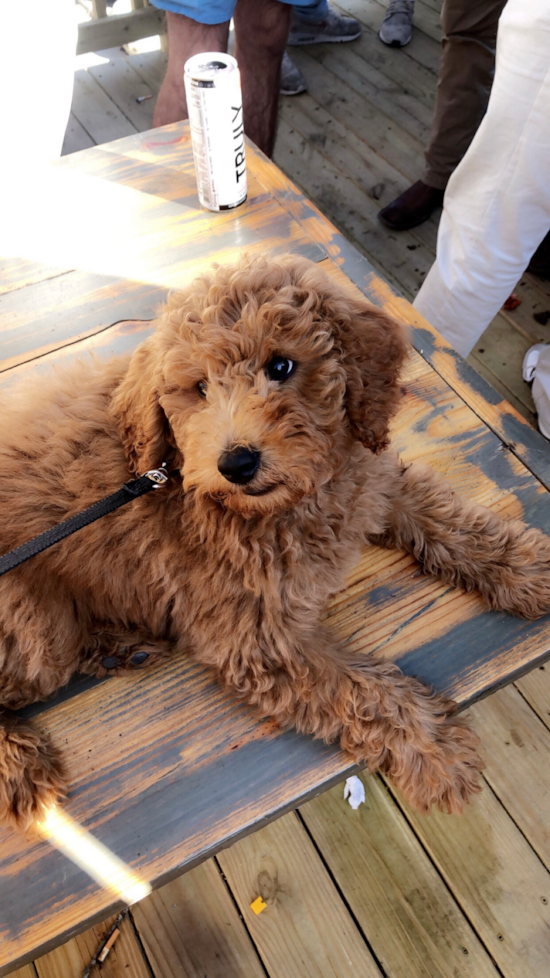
<point x="526" y="443"/>
<point x="422" y="49"/>
<point x="76" y="137"/>
<point x="27" y="971"/>
<point x="497" y="879"/>
<point x="120" y="338"/>
<point x="194" y="733"/>
<point x="535" y="687"/>
<point x="305" y="929"/>
<point x="166" y="209"/>
<point x="356" y="211"/>
<point x="19" y="272"/>
<point x="543" y="284"/>
<point x="409" y="74"/>
<point x="363" y="117"/>
<point x="343" y="149"/>
<point x="96" y="112"/>
<point x="406" y="912"/>
<point x="124" y="86"/>
<point x="125" y="959"/>
<point x="110" y="32"/>
<point x="150" y="66"/>
<point x="354" y="159"/>
<point x="173" y="181"/>
<point x="481" y="368"/>
<point x="363" y="80"/>
<point x="434" y="5"/>
<point x="516" y="748"/>
<point x="99" y="8"/>
<point x="49" y="314"/>
<point x="190" y="928"/>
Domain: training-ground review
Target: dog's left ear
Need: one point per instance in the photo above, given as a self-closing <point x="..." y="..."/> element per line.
<point x="135" y="408"/>
<point x="373" y="348"/>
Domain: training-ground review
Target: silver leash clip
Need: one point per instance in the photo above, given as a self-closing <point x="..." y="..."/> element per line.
<point x="158" y="476"/>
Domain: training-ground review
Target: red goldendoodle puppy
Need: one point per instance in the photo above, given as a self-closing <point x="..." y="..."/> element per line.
<point x="271" y="391"/>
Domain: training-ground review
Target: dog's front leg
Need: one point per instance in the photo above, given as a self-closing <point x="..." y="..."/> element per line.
<point x="31" y="774"/>
<point x="376" y="714"/>
<point x="467" y="545"/>
<point x="112" y="653"/>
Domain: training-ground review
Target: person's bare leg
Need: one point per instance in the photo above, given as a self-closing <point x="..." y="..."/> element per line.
<point x="261" y="32"/>
<point x="186" y="37"/>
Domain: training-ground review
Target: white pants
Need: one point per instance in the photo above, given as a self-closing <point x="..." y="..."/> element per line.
<point x="37" y="66"/>
<point x="497" y="204"/>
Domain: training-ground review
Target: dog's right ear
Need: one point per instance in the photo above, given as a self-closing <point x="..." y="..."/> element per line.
<point x="136" y="411"/>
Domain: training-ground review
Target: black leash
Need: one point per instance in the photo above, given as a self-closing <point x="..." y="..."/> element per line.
<point x="129" y="491"/>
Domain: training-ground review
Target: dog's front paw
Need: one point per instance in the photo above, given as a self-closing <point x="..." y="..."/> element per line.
<point x="31" y="776"/>
<point x="113" y="658"/>
<point x="520" y="583"/>
<point x="446" y="773"/>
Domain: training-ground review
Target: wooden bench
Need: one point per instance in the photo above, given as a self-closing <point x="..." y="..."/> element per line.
<point x="104" y="31"/>
<point x="165" y="768"/>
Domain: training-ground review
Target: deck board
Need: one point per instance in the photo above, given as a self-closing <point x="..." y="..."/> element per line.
<point x="398" y="66"/>
<point x="123" y="85"/>
<point x="410" y="919"/>
<point x="497" y="879"/>
<point x="70" y="960"/>
<point x="98" y="115"/>
<point x="304" y="929"/>
<point x="191" y="928"/>
<point x="535" y="688"/>
<point x="422" y="48"/>
<point x="516" y="748"/>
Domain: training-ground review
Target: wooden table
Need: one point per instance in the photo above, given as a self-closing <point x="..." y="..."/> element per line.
<point x="165" y="768"/>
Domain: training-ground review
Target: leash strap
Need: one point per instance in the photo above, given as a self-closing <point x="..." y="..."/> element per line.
<point x="129" y="491"/>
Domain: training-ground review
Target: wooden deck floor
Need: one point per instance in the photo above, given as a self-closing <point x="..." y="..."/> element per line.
<point x="380" y="891"/>
<point x="369" y="893"/>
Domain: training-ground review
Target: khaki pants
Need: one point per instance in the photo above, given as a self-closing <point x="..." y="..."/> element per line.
<point x="464" y="83"/>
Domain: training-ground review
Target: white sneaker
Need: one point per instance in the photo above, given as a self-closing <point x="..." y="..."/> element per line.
<point x="536" y="371"/>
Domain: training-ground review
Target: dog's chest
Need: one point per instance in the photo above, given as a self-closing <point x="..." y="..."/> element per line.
<point x="293" y="564"/>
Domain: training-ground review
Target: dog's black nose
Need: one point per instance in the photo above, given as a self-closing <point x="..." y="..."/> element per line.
<point x="239" y="465"/>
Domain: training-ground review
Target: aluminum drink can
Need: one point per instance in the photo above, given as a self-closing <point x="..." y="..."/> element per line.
<point x="215" y="107"/>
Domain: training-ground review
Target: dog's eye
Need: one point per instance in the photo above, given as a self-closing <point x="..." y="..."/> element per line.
<point x="280" y="368"/>
<point x="201" y="387"/>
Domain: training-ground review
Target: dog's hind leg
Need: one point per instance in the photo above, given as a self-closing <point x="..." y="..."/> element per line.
<point x="466" y="545"/>
<point x="31" y="773"/>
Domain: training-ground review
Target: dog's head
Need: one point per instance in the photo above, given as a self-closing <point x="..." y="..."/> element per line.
<point x="257" y="381"/>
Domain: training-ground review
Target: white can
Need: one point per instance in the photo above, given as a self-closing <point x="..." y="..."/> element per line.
<point x="215" y="107"/>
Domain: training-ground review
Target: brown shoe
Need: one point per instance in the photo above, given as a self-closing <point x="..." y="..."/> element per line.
<point x="412" y="207"/>
<point x="540" y="262"/>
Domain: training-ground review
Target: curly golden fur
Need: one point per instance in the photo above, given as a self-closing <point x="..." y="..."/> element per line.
<point x="239" y="574"/>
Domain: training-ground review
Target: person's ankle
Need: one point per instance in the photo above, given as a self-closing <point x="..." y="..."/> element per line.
<point x="414" y="206"/>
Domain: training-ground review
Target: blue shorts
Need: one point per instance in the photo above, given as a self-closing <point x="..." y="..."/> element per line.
<point x="212" y="11"/>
